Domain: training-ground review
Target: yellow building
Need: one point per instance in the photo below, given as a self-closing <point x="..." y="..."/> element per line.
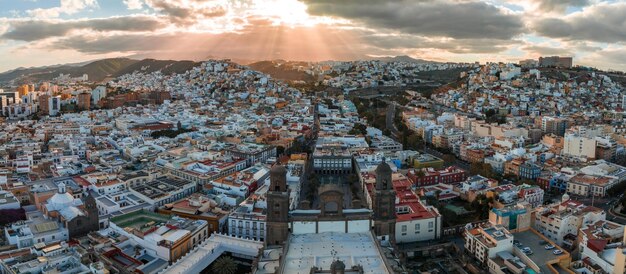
<point x="427" y="160"/>
<point x="22" y="90"/>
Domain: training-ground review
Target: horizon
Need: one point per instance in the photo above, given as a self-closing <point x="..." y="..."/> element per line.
<point x="36" y="33"/>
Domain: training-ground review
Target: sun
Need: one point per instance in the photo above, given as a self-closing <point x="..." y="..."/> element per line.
<point x="291" y="13"/>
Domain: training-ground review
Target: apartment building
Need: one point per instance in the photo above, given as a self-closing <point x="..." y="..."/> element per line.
<point x="486" y="241"/>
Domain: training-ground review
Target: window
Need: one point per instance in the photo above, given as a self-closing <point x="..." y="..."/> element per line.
<point x="431" y="224"/>
<point x="417" y="227"/>
<point x="404" y="228"/>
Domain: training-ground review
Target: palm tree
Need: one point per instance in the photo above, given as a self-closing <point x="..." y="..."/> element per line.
<point x="224" y="265"/>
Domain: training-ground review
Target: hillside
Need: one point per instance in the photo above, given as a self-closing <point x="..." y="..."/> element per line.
<point x="97" y="70"/>
<point x="152" y="65"/>
<point x="403" y="58"/>
<point x="282" y="70"/>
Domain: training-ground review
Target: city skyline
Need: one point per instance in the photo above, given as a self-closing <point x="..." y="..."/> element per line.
<point x="36" y="33"/>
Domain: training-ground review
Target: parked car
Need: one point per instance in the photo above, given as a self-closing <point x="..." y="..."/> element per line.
<point x="557" y="252"/>
<point x="548" y="247"/>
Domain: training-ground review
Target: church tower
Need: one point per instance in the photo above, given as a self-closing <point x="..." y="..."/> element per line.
<point x="384" y="203"/>
<point x="277" y="228"/>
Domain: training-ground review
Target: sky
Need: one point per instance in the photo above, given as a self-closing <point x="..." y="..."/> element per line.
<point x="48" y="32"/>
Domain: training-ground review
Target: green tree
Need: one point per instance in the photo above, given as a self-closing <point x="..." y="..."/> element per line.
<point x="482" y="169"/>
<point x="414" y="141"/>
<point x="224" y="265"/>
<point x="448" y="158"/>
<point x="358" y="129"/>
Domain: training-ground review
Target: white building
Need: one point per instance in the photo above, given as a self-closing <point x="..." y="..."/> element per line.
<point x="485" y="242"/>
<point x="98" y="94"/>
<point x="54" y="105"/>
<point x="8" y="200"/>
<point x="599" y="246"/>
<point x="567" y="217"/>
<point x="579" y="146"/>
<point x="37" y="229"/>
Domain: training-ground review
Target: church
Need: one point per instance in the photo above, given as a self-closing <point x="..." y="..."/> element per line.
<point x="336" y="235"/>
<point x="79" y="216"/>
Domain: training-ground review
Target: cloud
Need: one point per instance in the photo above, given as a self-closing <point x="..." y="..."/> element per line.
<point x="559" y="5"/>
<point x="133" y="4"/>
<point x="258" y="42"/>
<point x="611" y="58"/>
<point x="66" y="7"/>
<point x="461" y="19"/>
<point x="600" y="23"/>
<point x="539" y="50"/>
<point x="184" y="12"/>
<point x="451" y="45"/>
<point x="33" y="30"/>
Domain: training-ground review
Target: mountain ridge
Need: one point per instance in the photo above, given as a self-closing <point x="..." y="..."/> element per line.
<point x="96" y="70"/>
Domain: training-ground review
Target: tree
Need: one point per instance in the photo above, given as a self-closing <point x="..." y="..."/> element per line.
<point x="224" y="265"/>
<point x="413" y="141"/>
<point x="358" y="129"/>
<point x="482" y="169"/>
<point x="448" y="158"/>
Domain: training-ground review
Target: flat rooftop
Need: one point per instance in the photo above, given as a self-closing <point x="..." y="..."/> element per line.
<point x="321" y="249"/>
<point x="541" y="256"/>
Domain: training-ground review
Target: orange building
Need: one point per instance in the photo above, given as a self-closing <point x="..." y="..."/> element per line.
<point x="22" y="90"/>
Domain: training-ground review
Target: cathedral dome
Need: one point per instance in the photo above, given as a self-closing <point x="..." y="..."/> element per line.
<point x="61" y="200"/>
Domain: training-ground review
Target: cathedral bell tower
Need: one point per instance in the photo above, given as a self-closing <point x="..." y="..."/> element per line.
<point x="384" y="203"/>
<point x="277" y="228"/>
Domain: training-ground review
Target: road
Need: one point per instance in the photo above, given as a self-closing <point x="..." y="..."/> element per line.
<point x="390" y="116"/>
<point x="605" y="203"/>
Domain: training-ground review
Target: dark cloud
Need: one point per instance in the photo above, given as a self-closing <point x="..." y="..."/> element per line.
<point x="186" y="15"/>
<point x="601" y="23"/>
<point x="34" y="30"/>
<point x="461" y="20"/>
<point x="459" y="46"/>
<point x="560" y="5"/>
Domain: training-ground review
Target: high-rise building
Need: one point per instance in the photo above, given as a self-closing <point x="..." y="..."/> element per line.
<point x="43" y="103"/>
<point x="84" y="101"/>
<point x="22" y="90"/>
<point x="98" y="94"/>
<point x="54" y="105"/>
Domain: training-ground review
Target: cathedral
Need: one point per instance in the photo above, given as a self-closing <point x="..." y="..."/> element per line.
<point x="336" y="235"/>
<point x="79" y="216"/>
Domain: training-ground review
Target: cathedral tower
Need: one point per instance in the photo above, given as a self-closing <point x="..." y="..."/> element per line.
<point x="277" y="228"/>
<point x="384" y="203"/>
